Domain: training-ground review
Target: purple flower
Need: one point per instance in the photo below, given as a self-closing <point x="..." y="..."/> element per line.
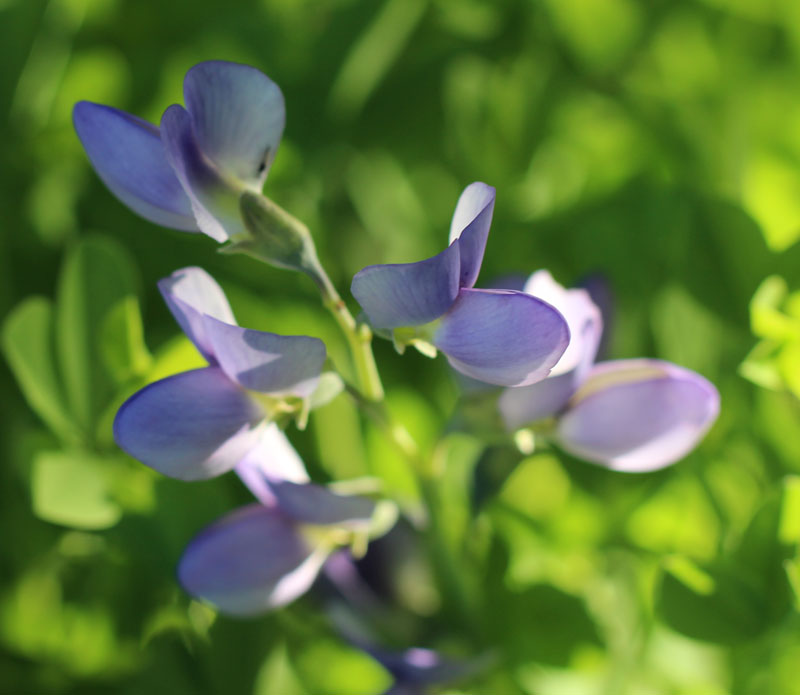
<point x="189" y="173"/>
<point x="497" y="336"/>
<point x="629" y="415"/>
<point x="263" y="556"/>
<point x="201" y="423"/>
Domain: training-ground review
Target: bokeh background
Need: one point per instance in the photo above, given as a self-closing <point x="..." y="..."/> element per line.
<point x="652" y="149"/>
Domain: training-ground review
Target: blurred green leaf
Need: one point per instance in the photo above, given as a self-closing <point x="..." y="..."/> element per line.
<point x="329" y="668"/>
<point x="28" y="347"/>
<point x="712" y="603"/>
<point x="97" y="275"/>
<point x="516" y="615"/>
<point x="70" y="488"/>
<point x="122" y="341"/>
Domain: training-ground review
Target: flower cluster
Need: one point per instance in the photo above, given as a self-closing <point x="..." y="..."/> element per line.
<point x="629" y="415"/>
<point x="203" y="170"/>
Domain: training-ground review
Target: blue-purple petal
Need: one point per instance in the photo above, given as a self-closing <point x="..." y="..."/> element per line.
<point x="638" y="415"/>
<point x="267" y="362"/>
<point x="502" y="337"/>
<point x="273" y="458"/>
<point x="316" y="504"/>
<point x="214" y="203"/>
<point x="192" y="426"/>
<point x="238" y="116"/>
<point x="252" y="560"/>
<point x="470" y="225"/>
<point x="408" y="294"/>
<point x="190" y="293"/>
<point x="129" y="157"/>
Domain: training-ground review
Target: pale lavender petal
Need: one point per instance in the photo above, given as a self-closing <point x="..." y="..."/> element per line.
<point x="191" y="293"/>
<point x="526" y="404"/>
<point x="238" y="116"/>
<point x="502" y="337"/>
<point x="129" y="157"/>
<point x="581" y="314"/>
<point x="192" y="426"/>
<point x="251" y="561"/>
<point x="214" y="203"/>
<point x="408" y="294"/>
<point x="638" y="415"/>
<point x="316" y="504"/>
<point x="272" y="458"/>
<point x="471" y="221"/>
<point x="267" y="362"/>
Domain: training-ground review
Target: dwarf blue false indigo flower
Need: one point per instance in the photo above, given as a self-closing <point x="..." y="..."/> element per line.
<point x="497" y="336"/>
<point x="263" y="556"/>
<point x="628" y="415"/>
<point x="201" y="423"/>
<point x="189" y="173"/>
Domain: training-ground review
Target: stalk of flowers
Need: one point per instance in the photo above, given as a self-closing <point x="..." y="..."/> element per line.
<point x="202" y="170"/>
<point x="205" y="422"/>
<point x="630" y="415"/>
<point x="501" y="337"/>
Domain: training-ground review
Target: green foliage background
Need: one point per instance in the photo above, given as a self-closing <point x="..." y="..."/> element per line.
<point x="656" y="144"/>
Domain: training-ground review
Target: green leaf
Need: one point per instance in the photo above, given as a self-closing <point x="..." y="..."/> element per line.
<point x="70" y="488"/>
<point x="97" y="275"/>
<point x="28" y="346"/>
<point x="122" y="342"/>
<point x="713" y="604"/>
<point x="326" y="667"/>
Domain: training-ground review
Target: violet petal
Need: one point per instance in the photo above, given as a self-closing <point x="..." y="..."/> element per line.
<point x="502" y="337"/>
<point x="238" y="116"/>
<point x="192" y="426"/>
<point x="129" y="157"/>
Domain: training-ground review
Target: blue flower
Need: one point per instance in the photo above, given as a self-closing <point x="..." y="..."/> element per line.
<point x="189" y="173"/>
<point x="263" y="556"/>
<point x="201" y="423"/>
<point x="497" y="336"/>
<point x="628" y="415"/>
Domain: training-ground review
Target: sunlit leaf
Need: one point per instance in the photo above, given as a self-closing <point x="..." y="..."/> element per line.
<point x="28" y="347"/>
<point x="97" y="275"/>
<point x="70" y="488"/>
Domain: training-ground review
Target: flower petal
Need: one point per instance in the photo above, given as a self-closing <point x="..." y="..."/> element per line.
<point x="190" y="293"/>
<point x="192" y="426"/>
<point x="238" y="115"/>
<point x="250" y="561"/>
<point x="316" y="504"/>
<point x="638" y="415"/>
<point x="215" y="205"/>
<point x="129" y="157"/>
<point x="471" y="221"/>
<point x="272" y="458"/>
<point x="267" y="362"/>
<point x="502" y="337"/>
<point x="526" y="404"/>
<point x="408" y="294"/>
<point x="581" y="314"/>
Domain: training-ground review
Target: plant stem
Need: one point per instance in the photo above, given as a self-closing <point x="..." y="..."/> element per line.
<point x="359" y="338"/>
<point x="442" y="556"/>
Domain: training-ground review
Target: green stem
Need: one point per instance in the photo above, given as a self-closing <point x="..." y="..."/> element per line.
<point x="359" y="338"/>
<point x="442" y="556"/>
<point x="277" y="237"/>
